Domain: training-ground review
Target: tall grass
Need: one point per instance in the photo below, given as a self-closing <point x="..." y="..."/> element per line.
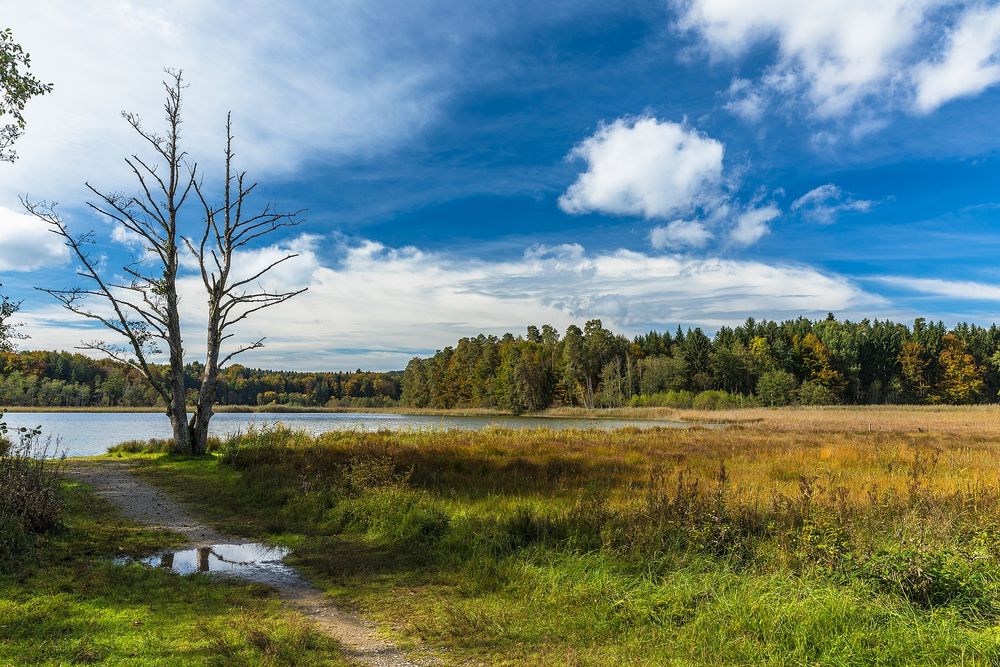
<point x="30" y="502"/>
<point x="691" y="546"/>
<point x="891" y="512"/>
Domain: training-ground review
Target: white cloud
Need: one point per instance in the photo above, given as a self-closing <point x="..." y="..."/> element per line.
<point x="302" y="81"/>
<point x="26" y="244"/>
<point x="970" y="62"/>
<point x="952" y="289"/>
<point x="746" y="100"/>
<point x="680" y="233"/>
<point x="752" y="225"/>
<point x="838" y="55"/>
<point x="643" y="166"/>
<point x="839" y="51"/>
<point x="824" y="203"/>
<point x="379" y="305"/>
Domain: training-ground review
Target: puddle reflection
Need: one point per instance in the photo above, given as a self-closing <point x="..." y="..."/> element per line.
<point x="257" y="562"/>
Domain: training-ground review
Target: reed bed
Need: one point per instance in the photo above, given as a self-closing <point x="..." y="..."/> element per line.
<point x="745" y="545"/>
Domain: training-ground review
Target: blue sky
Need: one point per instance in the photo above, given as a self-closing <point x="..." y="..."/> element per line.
<point x="481" y="166"/>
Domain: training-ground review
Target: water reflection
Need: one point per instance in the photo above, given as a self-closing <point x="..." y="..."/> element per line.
<point x="255" y="562"/>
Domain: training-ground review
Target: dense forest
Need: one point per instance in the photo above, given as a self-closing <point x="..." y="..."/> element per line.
<point x="757" y="363"/>
<point x="74" y="380"/>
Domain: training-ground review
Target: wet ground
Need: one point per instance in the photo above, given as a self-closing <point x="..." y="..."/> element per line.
<point x="211" y="551"/>
<point x="254" y="562"/>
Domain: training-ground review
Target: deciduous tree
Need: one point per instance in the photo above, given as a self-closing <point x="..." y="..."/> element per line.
<point x="17" y="86"/>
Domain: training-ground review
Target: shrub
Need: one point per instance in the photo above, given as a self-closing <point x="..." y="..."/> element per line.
<point x="669" y="399"/>
<point x="391" y="516"/>
<point x="932" y="579"/>
<point x="814" y="393"/>
<point x="154" y="446"/>
<point x="776" y="388"/>
<point x="29" y="492"/>
<point x="715" y="399"/>
<point x="260" y="445"/>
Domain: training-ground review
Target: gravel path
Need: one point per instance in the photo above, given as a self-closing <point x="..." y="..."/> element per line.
<point x="144" y="504"/>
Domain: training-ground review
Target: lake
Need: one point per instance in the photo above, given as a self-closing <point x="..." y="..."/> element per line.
<point x="89" y="433"/>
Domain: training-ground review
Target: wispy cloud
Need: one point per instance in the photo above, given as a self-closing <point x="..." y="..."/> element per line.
<point x="304" y="82"/>
<point x="963" y="290"/>
<point x="969" y="64"/>
<point x="680" y="234"/>
<point x="824" y="203"/>
<point x="394" y="299"/>
<point x="753" y="224"/>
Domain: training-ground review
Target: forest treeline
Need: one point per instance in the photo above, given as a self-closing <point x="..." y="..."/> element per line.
<point x="764" y="362"/>
<point x="61" y="379"/>
<point x="767" y="363"/>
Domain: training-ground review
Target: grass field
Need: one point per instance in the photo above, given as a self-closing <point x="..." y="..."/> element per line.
<point x="67" y="603"/>
<point x="799" y="537"/>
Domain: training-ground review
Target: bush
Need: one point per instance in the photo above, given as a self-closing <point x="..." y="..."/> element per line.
<point x="814" y="393"/>
<point x="391" y="515"/>
<point x="669" y="399"/>
<point x="932" y="579"/>
<point x="260" y="445"/>
<point x="154" y="446"/>
<point x="30" y="502"/>
<point x="715" y="399"/>
<point x="776" y="388"/>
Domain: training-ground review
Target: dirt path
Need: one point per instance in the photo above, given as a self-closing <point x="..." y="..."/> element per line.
<point x="146" y="505"/>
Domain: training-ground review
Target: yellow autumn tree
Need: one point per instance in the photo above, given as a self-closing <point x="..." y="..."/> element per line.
<point x="913" y="365"/>
<point x="961" y="378"/>
<point x="817" y="360"/>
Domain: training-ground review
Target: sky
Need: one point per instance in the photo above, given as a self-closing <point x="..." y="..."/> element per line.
<point x="478" y="166"/>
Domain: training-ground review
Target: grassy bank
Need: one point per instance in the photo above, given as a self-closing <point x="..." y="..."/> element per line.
<point x="752" y="545"/>
<point x="66" y="603"/>
<point x="272" y="409"/>
<point x="892" y="418"/>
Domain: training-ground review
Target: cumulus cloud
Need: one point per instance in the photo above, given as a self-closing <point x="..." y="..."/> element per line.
<point x="647" y="167"/>
<point x="679" y="234"/>
<point x="970" y="62"/>
<point x="752" y="225"/>
<point x="824" y="203"/>
<point x="26" y="243"/>
<point x="379" y="305"/>
<point x="838" y="54"/>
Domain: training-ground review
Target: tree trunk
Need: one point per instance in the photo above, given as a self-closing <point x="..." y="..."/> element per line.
<point x="209" y="383"/>
<point x="177" y="411"/>
<point x="179" y="426"/>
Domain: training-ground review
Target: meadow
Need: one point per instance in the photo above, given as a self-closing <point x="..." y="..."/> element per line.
<point x="791" y="537"/>
<point x="65" y="602"/>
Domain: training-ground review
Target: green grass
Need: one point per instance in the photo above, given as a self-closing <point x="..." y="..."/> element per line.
<point x="69" y="604"/>
<point x="580" y="547"/>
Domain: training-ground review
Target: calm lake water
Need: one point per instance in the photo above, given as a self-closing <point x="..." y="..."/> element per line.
<point x="88" y="433"/>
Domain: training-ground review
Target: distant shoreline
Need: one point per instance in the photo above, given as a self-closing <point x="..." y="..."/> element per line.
<point x="869" y="415"/>
<point x="552" y="413"/>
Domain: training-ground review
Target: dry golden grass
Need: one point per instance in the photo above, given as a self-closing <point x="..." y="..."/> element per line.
<point x="956" y="419"/>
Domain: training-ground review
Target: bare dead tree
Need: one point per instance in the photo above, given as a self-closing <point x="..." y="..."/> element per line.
<point x="231" y="299"/>
<point x="142" y="304"/>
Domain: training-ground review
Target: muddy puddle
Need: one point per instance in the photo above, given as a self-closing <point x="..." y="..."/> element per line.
<point x="253" y="562"/>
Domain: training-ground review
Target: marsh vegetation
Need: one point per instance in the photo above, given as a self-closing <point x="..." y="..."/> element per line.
<point x="816" y="543"/>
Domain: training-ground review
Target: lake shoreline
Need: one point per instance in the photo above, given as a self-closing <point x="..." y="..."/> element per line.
<point x="552" y="413"/>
